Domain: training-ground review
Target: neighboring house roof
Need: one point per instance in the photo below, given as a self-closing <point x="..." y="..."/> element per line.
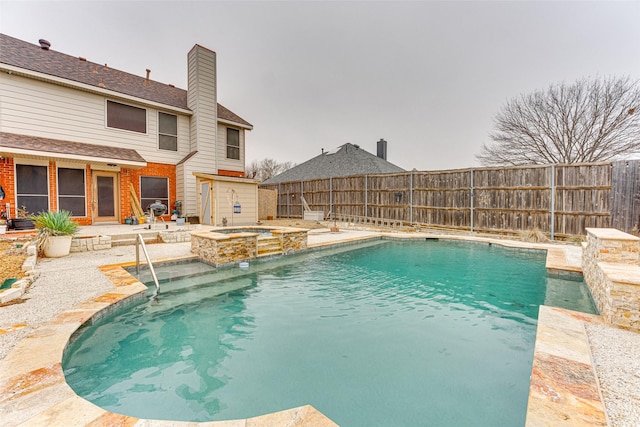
<point x="21" y="54"/>
<point x="30" y="145"/>
<point x="347" y="160"/>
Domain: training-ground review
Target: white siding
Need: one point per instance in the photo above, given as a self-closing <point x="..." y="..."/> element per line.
<point x="36" y="108"/>
<point x="221" y="152"/>
<point x="180" y="189"/>
<point x="202" y="100"/>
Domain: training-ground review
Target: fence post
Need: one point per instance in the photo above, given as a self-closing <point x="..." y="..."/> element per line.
<point x="331" y="197"/>
<point x="366" y="195"/>
<point x="411" y="198"/>
<point x="471" y="196"/>
<point x="552" y="222"/>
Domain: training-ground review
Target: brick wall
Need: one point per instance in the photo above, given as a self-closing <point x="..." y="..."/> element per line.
<point x="89" y="191"/>
<point x="53" y="186"/>
<point x="127" y="176"/>
<point x="7" y="180"/>
<point x="132" y="176"/>
<point x="237" y="174"/>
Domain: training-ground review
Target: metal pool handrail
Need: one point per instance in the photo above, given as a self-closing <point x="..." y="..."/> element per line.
<point x="140" y="242"/>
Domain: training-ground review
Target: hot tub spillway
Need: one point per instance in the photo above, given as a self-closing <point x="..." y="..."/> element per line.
<point x="269" y="246"/>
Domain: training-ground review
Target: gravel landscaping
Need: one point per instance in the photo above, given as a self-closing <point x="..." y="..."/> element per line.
<point x="62" y="283"/>
<point x="616" y="358"/>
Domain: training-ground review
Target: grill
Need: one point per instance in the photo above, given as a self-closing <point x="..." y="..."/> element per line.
<point x="157" y="208"/>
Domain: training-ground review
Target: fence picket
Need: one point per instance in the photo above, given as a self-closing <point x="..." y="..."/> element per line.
<point x="501" y="200"/>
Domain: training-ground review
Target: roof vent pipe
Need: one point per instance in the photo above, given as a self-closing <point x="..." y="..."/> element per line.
<point x="382" y="149"/>
<point x="148" y="74"/>
<point x="44" y="45"/>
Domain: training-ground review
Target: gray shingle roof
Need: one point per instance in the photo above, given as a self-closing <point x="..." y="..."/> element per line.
<point x="348" y="160"/>
<point x="21" y="54"/>
<point x="56" y="146"/>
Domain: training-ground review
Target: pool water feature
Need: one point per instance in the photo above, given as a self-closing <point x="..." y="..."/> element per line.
<point x="388" y="333"/>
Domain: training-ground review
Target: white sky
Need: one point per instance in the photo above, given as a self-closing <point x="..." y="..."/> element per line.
<point x="426" y="76"/>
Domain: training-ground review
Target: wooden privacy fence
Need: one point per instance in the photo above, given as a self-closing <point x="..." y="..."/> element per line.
<point x="560" y="200"/>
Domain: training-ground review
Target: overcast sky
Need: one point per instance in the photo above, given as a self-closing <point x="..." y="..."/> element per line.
<point x="426" y="76"/>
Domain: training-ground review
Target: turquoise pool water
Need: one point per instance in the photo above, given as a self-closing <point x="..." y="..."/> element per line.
<point x="383" y="334"/>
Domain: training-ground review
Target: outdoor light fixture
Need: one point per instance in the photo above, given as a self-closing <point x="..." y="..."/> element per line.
<point x="237" y="208"/>
<point x="398" y="197"/>
<point x="112" y="165"/>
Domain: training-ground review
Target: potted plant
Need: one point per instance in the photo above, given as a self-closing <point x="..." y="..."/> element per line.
<point x="55" y="230"/>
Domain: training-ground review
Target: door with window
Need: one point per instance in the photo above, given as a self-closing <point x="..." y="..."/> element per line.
<point x="105" y="197"/>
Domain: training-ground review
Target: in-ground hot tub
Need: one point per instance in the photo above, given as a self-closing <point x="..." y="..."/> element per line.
<point x="227" y="245"/>
<point x="262" y="232"/>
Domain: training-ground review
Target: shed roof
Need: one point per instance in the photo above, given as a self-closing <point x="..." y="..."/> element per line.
<point x="348" y="159"/>
<point x="21" y="54"/>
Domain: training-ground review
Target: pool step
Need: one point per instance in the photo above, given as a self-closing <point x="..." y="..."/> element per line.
<point x="130" y="238"/>
<point x="194" y="290"/>
<point x="172" y="273"/>
<point x="269" y="246"/>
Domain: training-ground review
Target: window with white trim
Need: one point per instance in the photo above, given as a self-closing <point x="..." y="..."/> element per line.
<point x="167" y="131"/>
<point x="233" y="144"/>
<point x="127" y="117"/>
<point x="72" y="191"/>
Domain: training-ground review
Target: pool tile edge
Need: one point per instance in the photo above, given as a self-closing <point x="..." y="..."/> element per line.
<point x="33" y="390"/>
<point x="564" y="387"/>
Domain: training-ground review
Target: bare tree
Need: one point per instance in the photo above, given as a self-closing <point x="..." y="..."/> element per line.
<point x="587" y="121"/>
<point x="266" y="168"/>
<point x="252" y="169"/>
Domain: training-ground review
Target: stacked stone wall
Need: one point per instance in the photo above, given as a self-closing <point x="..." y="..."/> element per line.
<point x="218" y="249"/>
<point x="224" y="250"/>
<point x="95" y="243"/>
<point x="611" y="266"/>
<point x="175" y="236"/>
<point x="293" y="241"/>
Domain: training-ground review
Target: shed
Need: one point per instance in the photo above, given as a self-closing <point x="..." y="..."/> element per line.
<point x="227" y="199"/>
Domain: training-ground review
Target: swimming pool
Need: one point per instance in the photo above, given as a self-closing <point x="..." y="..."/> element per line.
<point x="388" y="333"/>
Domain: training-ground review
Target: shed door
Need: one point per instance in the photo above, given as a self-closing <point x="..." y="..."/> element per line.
<point x="205" y="202"/>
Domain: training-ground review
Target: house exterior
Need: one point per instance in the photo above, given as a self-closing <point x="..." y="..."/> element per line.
<point x="87" y="138"/>
<point x="347" y="160"/>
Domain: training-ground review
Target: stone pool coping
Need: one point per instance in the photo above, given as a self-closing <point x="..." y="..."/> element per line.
<point x="33" y="390"/>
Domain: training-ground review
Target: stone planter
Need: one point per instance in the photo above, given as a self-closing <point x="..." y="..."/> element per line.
<point x="57" y="246"/>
